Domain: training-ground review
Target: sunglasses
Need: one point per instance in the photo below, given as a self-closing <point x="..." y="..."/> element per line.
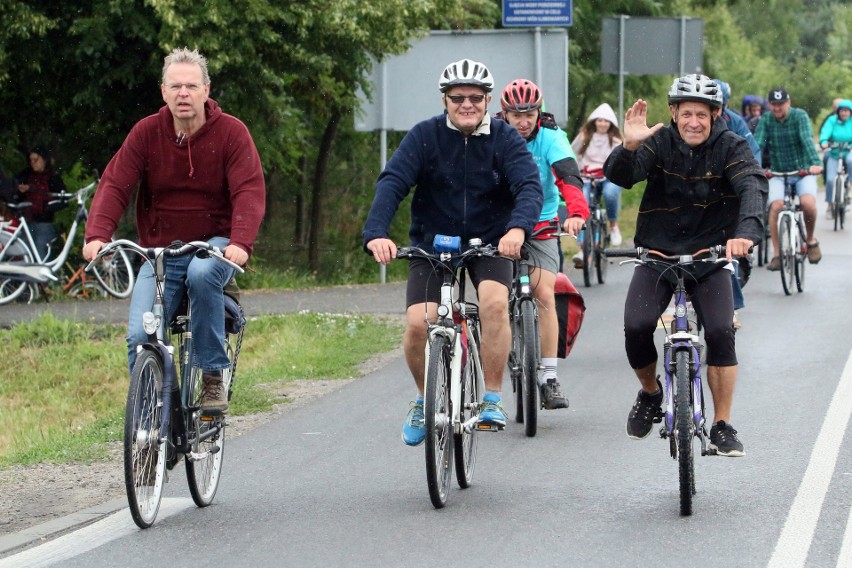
<point x="459" y="99"/>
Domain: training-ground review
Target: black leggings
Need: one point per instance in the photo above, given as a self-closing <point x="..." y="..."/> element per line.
<point x="649" y="295"/>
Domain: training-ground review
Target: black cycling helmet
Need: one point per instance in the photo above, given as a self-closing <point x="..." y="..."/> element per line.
<point x="466" y="72"/>
<point x="697" y="88"/>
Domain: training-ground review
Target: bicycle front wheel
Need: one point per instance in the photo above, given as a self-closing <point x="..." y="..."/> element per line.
<point x="529" y="367"/>
<point x="787" y="253"/>
<point x="588" y="252"/>
<point x="601" y="262"/>
<point x="465" y="442"/>
<point x="684" y="431"/>
<point x="438" y="416"/>
<point x="839" y="202"/>
<point x="144" y="454"/>
<point x="801" y="255"/>
<point x="207" y="439"/>
<point x="115" y="274"/>
<point x="11" y="289"/>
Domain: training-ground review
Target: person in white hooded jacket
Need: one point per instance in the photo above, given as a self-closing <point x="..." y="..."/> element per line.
<point x="592" y="146"/>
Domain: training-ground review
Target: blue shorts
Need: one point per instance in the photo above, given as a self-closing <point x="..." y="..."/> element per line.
<point x="806" y="185"/>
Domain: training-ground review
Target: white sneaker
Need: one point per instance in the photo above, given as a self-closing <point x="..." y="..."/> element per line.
<point x="578" y="260"/>
<point x="615" y="237"/>
<point x="829" y="213"/>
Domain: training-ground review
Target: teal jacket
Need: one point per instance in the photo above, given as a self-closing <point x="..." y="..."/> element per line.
<point x="835" y="130"/>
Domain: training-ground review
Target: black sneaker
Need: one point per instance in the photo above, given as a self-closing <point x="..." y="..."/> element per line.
<point x="551" y="395"/>
<point x="723" y="439"/>
<point x="646" y="410"/>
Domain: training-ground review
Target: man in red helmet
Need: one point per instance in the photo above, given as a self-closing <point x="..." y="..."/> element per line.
<point x="521" y="102"/>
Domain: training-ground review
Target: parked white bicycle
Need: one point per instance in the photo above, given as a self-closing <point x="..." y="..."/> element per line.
<point x="23" y="268"/>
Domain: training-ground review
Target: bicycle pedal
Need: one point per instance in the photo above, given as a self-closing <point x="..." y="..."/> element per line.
<point x="488" y="427"/>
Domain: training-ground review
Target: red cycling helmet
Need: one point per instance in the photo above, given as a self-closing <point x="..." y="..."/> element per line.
<point x="521" y="95"/>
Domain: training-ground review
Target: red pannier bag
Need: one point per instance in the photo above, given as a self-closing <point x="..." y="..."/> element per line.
<point x="570" y="309"/>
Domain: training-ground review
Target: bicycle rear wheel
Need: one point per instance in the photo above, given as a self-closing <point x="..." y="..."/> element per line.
<point x="11" y="289"/>
<point x="684" y="431"/>
<point x="601" y="262"/>
<point x="144" y="454"/>
<point x="787" y="254"/>
<point x="529" y="367"/>
<point x="436" y="407"/>
<point x="207" y="438"/>
<point x="839" y="202"/>
<point x="115" y="274"/>
<point x="588" y="251"/>
<point x="471" y="397"/>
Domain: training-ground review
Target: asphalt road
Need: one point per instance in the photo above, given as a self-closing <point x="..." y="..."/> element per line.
<point x="330" y="483"/>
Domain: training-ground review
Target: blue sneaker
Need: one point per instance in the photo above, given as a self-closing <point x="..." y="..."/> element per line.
<point x="414" y="427"/>
<point x="492" y="410"/>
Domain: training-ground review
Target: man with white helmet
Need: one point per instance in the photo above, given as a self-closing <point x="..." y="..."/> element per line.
<point x="474" y="178"/>
<point x="704" y="188"/>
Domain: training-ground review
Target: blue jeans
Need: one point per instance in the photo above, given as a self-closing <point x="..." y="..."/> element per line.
<point x="203" y="280"/>
<point x="43" y="234"/>
<point x="831" y="173"/>
<point x="611" y="196"/>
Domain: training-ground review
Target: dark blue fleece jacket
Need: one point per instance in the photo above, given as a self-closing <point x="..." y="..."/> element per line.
<point x="469" y="186"/>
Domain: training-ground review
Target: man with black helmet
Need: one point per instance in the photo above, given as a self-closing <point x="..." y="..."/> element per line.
<point x="704" y="189"/>
<point x="474" y="178"/>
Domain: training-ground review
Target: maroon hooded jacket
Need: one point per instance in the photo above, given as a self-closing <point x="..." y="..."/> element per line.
<point x="190" y="188"/>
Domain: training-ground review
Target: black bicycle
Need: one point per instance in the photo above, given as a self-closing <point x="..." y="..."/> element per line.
<point x="525" y="355"/>
<point x="596" y="233"/>
<point x="163" y="418"/>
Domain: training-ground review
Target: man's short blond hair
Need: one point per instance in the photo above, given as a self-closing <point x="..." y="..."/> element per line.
<point x="186" y="55"/>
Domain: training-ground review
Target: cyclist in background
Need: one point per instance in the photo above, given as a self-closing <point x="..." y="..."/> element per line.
<point x="200" y="178"/>
<point x="474" y="178"/>
<point x="837" y="128"/>
<point x="738" y="126"/>
<point x="521" y="102"/>
<point x="593" y="145"/>
<point x="788" y="133"/>
<point x="704" y="188"/>
<point x="753" y="108"/>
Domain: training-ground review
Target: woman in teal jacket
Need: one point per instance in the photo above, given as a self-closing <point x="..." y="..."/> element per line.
<point x="838" y="128"/>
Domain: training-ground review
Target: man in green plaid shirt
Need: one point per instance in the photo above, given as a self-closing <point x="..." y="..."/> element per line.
<point x="788" y="134"/>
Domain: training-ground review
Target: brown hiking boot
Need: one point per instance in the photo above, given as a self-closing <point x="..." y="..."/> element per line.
<point x="814" y="254"/>
<point x="214" y="395"/>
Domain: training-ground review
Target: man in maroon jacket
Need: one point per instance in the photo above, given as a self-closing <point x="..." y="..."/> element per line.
<point x="199" y="177"/>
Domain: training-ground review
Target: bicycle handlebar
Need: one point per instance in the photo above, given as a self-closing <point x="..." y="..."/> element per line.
<point x="640" y="254"/>
<point x="801" y="173"/>
<point x="417" y="252"/>
<point x="174" y="250"/>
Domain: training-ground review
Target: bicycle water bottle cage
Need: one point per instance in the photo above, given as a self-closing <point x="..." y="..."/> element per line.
<point x="444" y="243"/>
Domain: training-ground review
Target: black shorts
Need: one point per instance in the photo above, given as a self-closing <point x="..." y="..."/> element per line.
<point x="424" y="282"/>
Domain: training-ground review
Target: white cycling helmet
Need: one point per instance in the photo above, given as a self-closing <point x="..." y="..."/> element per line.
<point x="466" y="72"/>
<point x="697" y="88"/>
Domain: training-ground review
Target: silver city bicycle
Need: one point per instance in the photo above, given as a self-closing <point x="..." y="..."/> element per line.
<point x="792" y="236"/>
<point x="454" y="374"/>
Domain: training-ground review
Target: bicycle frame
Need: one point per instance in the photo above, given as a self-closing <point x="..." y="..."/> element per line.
<point x="791" y="215"/>
<point x="452" y="324"/>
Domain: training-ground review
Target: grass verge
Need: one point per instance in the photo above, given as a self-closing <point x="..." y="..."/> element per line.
<point x="65" y="383"/>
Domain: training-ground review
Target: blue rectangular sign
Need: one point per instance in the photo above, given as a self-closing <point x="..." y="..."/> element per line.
<point x="533" y="13"/>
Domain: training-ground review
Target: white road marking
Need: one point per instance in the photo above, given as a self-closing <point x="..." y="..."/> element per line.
<point x="73" y="544"/>
<point x="791" y="550"/>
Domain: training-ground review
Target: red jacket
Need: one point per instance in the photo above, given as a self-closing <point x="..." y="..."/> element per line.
<point x="210" y="184"/>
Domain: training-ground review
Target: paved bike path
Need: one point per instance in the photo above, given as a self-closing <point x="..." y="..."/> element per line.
<point x="365" y="298"/>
